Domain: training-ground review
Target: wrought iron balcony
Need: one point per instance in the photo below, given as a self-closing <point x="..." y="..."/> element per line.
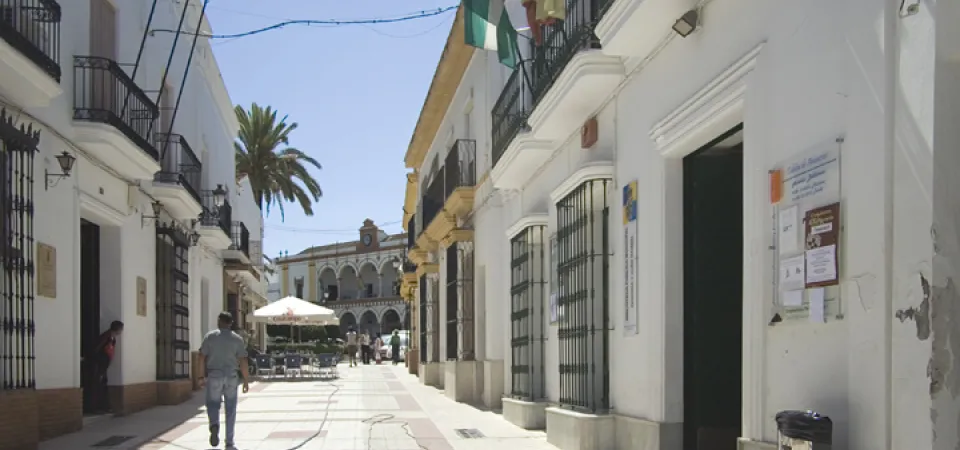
<point x="241" y="238"/>
<point x="409" y="267"/>
<point x="534" y="76"/>
<point x="412" y="232"/>
<point x="561" y="41"/>
<point x="460" y="166"/>
<point x="213" y="216"/>
<point x="33" y="28"/>
<point x="179" y="163"/>
<point x="431" y="202"/>
<point x="104" y="93"/>
<point x="511" y="110"/>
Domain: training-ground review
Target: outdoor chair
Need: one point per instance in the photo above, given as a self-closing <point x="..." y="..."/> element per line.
<point x="293" y="365"/>
<point x="327" y="362"/>
<point x="264" y="365"/>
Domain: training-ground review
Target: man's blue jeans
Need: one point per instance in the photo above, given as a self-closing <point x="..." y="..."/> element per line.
<point x="223" y="389"/>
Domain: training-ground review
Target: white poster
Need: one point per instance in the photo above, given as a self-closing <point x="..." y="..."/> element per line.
<point x="788" y="230"/>
<point x="630" y="288"/>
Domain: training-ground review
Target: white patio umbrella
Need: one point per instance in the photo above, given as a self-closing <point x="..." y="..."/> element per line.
<point x="295" y="312"/>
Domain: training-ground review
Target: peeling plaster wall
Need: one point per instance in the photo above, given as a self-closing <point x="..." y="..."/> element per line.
<point x="940" y="318"/>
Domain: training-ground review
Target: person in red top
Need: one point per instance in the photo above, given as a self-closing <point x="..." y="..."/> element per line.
<point x="102" y="356"/>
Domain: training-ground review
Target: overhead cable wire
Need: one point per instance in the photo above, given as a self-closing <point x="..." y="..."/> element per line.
<point x="327" y="22"/>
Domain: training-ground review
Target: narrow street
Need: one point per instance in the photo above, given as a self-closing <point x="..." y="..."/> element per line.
<point x="367" y="408"/>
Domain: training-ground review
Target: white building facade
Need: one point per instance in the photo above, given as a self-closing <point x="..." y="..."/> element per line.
<point x="147" y="225"/>
<point x="359" y="280"/>
<point x="644" y="200"/>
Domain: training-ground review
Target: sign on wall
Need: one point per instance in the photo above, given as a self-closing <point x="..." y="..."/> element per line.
<point x="630" y="288"/>
<point x="46" y="270"/>
<point x="141" y="296"/>
<point x="805" y="195"/>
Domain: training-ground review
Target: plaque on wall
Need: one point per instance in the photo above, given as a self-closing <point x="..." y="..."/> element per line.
<point x="141" y="296"/>
<point x="46" y="270"/>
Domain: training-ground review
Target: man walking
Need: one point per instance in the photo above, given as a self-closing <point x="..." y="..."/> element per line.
<point x="395" y="347"/>
<point x="224" y="362"/>
<point x="352" y="346"/>
<point x="365" y="346"/>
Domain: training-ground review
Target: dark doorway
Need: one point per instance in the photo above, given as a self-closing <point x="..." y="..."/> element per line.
<point x="713" y="293"/>
<point x="89" y="308"/>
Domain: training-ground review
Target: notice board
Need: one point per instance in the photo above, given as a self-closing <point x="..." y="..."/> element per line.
<point x="805" y="198"/>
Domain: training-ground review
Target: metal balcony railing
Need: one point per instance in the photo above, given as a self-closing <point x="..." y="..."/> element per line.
<point x="104" y="93"/>
<point x="409" y="267"/>
<point x="240" y="238"/>
<point x="459" y="170"/>
<point x="179" y="164"/>
<point x="561" y="41"/>
<point x="511" y="110"/>
<point x="431" y="202"/>
<point x="412" y="232"/>
<point x="460" y="166"/>
<point x="534" y="76"/>
<point x="212" y="216"/>
<point x="33" y="28"/>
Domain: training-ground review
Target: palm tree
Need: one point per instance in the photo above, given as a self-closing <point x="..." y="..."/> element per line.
<point x="277" y="173"/>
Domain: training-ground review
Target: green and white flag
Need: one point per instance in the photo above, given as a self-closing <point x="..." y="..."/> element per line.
<point x="487" y="26"/>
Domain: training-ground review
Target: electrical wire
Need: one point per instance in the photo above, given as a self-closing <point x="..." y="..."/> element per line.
<point x="385" y="419"/>
<point x="327" y="22"/>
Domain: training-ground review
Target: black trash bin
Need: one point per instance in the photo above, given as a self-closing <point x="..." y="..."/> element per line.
<point x="804" y="430"/>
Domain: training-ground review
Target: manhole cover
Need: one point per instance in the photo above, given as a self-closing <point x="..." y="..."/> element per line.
<point x="469" y="433"/>
<point x="113" y="441"/>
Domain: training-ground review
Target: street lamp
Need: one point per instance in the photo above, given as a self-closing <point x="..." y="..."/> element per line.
<point x="65" y="160"/>
<point x="219" y="196"/>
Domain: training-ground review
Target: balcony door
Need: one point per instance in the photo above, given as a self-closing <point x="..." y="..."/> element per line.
<point x="103" y="44"/>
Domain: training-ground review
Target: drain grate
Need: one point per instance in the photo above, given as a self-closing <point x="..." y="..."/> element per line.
<point x="469" y="433"/>
<point x="113" y="441"/>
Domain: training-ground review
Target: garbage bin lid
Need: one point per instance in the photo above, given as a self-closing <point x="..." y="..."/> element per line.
<point x="806" y="425"/>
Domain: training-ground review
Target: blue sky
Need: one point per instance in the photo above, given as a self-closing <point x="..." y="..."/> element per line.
<point x="355" y="90"/>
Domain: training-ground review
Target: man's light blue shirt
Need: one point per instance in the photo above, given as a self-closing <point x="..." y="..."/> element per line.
<point x="223" y="348"/>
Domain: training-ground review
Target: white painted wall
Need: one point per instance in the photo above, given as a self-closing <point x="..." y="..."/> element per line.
<point x="820" y="74"/>
<point x="95" y="193"/>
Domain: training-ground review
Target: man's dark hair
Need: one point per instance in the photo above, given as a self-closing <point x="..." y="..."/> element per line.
<point x="116" y="326"/>
<point x="225" y="318"/>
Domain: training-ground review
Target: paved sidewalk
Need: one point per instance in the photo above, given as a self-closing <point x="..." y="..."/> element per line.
<point x="368" y="408"/>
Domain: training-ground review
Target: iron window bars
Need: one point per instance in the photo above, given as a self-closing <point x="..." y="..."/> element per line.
<point x="33" y="28"/>
<point x="173" y="304"/>
<point x="460" y="309"/>
<point x="18" y="146"/>
<point x="422" y="340"/>
<point x="527" y="330"/>
<point x="430" y="297"/>
<point x="583" y="277"/>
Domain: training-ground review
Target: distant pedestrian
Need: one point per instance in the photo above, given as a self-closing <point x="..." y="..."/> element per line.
<point x="395" y="347"/>
<point x="99" y="361"/>
<point x="223" y="364"/>
<point x="377" y="345"/>
<point x="352" y="346"/>
<point x="365" y="346"/>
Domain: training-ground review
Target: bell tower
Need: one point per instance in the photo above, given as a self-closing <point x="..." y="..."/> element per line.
<point x="369" y="236"/>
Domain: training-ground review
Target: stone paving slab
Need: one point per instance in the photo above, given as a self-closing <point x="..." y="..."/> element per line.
<point x="367" y="408"/>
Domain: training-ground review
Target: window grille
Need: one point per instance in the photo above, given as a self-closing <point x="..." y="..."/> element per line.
<point x="527" y="288"/>
<point x="422" y="342"/>
<point x="460" y="305"/>
<point x="583" y="279"/>
<point x="173" y="305"/>
<point x="452" y="302"/>
<point x="17" y="328"/>
<point x="430" y="297"/>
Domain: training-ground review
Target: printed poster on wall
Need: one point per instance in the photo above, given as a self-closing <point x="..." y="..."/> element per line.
<point x="822" y="227"/>
<point x="630" y="288"/>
